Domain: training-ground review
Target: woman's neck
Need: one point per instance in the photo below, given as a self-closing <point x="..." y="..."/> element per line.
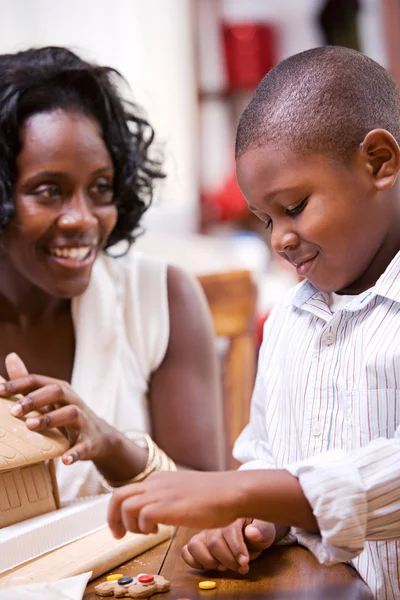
<point x="23" y="303"/>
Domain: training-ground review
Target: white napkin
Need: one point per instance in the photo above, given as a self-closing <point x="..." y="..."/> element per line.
<point x="71" y="588"/>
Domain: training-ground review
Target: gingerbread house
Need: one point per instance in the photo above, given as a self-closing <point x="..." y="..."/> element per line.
<point x="28" y="485"/>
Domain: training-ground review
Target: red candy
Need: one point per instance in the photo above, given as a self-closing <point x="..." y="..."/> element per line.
<point x="145" y="578"/>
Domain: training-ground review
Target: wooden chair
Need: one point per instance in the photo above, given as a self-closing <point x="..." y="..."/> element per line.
<point x="232" y="300"/>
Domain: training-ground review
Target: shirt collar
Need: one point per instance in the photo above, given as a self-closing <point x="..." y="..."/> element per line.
<point x="387" y="286"/>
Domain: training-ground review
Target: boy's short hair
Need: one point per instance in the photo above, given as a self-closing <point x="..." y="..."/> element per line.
<point x="323" y="100"/>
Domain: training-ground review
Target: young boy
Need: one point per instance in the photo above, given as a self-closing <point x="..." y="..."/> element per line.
<point x="317" y="160"/>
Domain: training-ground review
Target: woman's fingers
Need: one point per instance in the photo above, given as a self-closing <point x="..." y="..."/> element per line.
<point x="52" y="393"/>
<point x="24" y="385"/>
<point x="15" y="366"/>
<point x="80" y="451"/>
<point x="68" y="415"/>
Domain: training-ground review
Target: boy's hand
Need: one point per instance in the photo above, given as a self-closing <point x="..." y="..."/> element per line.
<point x="187" y="498"/>
<point x="232" y="547"/>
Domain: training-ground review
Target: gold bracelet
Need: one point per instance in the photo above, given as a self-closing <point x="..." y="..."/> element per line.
<point x="157" y="460"/>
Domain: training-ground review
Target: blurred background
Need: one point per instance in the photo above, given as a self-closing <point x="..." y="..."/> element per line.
<point x="193" y="65"/>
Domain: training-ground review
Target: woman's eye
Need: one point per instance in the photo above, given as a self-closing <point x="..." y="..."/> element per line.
<point x="297" y="209"/>
<point x="103" y="188"/>
<point x="104" y="191"/>
<point x="47" y="191"/>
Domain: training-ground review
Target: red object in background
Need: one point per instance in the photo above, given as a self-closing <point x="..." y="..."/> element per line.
<point x="250" y="51"/>
<point x="260" y="322"/>
<point x="227" y="203"/>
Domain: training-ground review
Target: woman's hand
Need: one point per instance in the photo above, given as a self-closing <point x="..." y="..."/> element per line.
<point x="59" y="406"/>
<point x="231" y="547"/>
<point x="187" y="498"/>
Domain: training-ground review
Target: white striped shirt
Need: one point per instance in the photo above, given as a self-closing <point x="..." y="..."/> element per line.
<point x="326" y="406"/>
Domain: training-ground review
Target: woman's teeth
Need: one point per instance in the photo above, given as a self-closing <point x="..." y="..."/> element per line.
<point x="73" y="253"/>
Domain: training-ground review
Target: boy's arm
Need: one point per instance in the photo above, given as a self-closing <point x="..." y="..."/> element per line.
<point x="209" y="500"/>
<point x="338" y="501"/>
<point x="355" y="498"/>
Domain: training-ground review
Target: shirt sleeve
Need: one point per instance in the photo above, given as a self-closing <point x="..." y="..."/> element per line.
<point x="354" y="497"/>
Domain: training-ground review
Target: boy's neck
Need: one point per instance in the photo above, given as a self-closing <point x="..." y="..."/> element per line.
<point x="376" y="268"/>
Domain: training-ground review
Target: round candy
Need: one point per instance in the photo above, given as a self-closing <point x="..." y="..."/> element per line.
<point x="125" y="580"/>
<point x="114" y="577"/>
<point x="207" y="585"/>
<point x="145" y="578"/>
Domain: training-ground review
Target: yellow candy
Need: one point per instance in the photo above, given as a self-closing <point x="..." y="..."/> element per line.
<point x="114" y="577"/>
<point x="207" y="585"/>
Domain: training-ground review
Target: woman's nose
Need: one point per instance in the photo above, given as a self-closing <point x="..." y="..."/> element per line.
<point x="78" y="214"/>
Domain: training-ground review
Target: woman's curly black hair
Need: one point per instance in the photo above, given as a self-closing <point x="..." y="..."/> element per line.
<point x="44" y="79"/>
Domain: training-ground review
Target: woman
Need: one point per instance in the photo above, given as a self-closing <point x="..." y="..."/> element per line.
<point x="110" y="346"/>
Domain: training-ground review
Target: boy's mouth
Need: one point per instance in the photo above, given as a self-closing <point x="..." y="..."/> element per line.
<point x="304" y="266"/>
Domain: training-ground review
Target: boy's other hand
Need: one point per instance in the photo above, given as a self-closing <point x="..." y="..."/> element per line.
<point x="231" y="547"/>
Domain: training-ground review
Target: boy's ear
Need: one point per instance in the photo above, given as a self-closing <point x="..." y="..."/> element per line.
<point x="380" y="153"/>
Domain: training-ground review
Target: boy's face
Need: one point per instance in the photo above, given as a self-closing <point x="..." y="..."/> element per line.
<point x="326" y="219"/>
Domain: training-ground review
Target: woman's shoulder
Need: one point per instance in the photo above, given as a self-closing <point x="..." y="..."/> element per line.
<point x="140" y="269"/>
<point x="131" y="270"/>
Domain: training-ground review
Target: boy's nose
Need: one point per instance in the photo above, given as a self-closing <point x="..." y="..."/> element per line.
<point x="281" y="241"/>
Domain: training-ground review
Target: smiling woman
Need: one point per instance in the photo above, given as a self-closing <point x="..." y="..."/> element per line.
<point x="64" y="202"/>
<point x="110" y="349"/>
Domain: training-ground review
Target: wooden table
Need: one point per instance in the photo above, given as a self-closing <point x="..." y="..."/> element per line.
<point x="280" y="573"/>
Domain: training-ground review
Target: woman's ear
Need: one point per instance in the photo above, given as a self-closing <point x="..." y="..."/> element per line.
<point x="381" y="155"/>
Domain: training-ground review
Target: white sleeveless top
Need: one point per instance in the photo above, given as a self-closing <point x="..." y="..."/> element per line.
<point x="121" y="336"/>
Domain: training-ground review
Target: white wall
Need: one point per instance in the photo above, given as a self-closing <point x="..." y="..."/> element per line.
<point x="296" y="22"/>
<point x="150" y="43"/>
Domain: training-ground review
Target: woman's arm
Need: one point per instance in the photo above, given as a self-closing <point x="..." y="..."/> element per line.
<point x="185" y="391"/>
<point x="185" y="400"/>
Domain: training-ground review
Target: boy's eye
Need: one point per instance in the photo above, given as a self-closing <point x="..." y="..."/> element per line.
<point x="297" y="209"/>
<point x="268" y="223"/>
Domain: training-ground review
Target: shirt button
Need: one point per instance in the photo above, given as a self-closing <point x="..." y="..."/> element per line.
<point x="328" y="338"/>
<point x="316" y="428"/>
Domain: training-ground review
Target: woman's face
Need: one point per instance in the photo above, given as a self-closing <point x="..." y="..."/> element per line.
<point x="64" y="202"/>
